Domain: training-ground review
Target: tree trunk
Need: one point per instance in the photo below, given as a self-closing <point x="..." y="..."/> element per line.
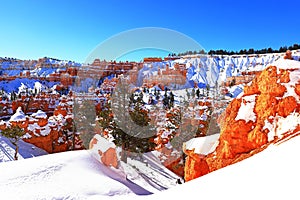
<point x="73" y="138"/>
<point x="16" y="152"/>
<point x="73" y="141"/>
<point x="124" y="154"/>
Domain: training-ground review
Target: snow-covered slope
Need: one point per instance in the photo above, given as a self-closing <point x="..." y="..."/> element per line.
<point x="26" y="150"/>
<point x="69" y="175"/>
<point x="22" y="84"/>
<point x="78" y="175"/>
<point x="206" y="69"/>
<point x="271" y="174"/>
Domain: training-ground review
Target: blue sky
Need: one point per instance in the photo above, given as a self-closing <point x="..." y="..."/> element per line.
<point x="70" y="30"/>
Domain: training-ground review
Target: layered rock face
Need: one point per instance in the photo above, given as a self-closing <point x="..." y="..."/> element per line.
<point x="267" y="112"/>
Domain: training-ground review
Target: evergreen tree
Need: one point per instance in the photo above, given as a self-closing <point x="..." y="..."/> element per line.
<point x="270" y="50"/>
<point x="184" y="131"/>
<point x="131" y="98"/>
<point x="166" y="100"/>
<point x="232" y="83"/>
<point x="84" y="120"/>
<point x="188" y="94"/>
<point x="130" y="126"/>
<point x="172" y="99"/>
<point x="216" y="88"/>
<point x="157" y="95"/>
<point x="198" y="93"/>
<point x="14" y="134"/>
<point x="207" y="89"/>
<point x="193" y="93"/>
<point x="140" y="98"/>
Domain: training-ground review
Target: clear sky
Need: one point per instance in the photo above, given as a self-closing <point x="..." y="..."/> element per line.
<point x="69" y="29"/>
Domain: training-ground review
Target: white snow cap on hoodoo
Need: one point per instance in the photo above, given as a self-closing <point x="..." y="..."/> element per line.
<point x="39" y="114"/>
<point x="18" y="116"/>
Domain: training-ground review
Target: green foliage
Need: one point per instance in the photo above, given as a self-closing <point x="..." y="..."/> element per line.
<point x="128" y="122"/>
<point x="252" y="51"/>
<point x="13" y="133"/>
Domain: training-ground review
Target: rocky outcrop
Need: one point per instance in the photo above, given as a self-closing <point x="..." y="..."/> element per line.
<point x="195" y="165"/>
<point x="288" y="55"/>
<point x="104" y="151"/>
<point x="196" y="150"/>
<point x="266" y="112"/>
<point x="48" y="133"/>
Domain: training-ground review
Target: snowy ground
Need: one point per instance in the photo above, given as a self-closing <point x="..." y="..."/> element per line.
<point x="78" y="175"/>
<point x="26" y="150"/>
<point x="69" y="175"/>
<point x="271" y="174"/>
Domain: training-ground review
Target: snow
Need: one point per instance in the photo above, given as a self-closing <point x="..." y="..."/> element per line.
<point x="45" y="130"/>
<point x="203" y="145"/>
<point x="26" y="136"/>
<point x="60" y="140"/>
<point x="39" y="114"/>
<point x="77" y="175"/>
<point x="271" y="174"/>
<point x="19" y="85"/>
<point x="70" y="175"/>
<point x="148" y="173"/>
<point x="102" y="144"/>
<point x="18" y="116"/>
<point x="38" y="86"/>
<point x="209" y="70"/>
<point x="281" y="125"/>
<point x="290" y="86"/>
<point x="235" y="90"/>
<point x="7" y="152"/>
<point x="246" y="111"/>
<point x="26" y="150"/>
<point x="286" y="64"/>
<point x="144" y="170"/>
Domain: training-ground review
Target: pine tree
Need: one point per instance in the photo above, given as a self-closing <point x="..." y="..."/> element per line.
<point x="198" y="93"/>
<point x="193" y="93"/>
<point x="184" y="131"/>
<point x="14" y="134"/>
<point x="130" y="123"/>
<point x="216" y="89"/>
<point x="207" y="89"/>
<point x="84" y="120"/>
<point x="166" y="100"/>
<point x="188" y="94"/>
<point x="172" y="99"/>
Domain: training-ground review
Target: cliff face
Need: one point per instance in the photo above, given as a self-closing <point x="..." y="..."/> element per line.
<point x="267" y="112"/>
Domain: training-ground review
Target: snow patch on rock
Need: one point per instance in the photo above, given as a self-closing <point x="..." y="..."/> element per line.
<point x="246" y="111"/>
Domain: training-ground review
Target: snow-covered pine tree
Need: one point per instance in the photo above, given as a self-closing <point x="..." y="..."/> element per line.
<point x="128" y="122"/>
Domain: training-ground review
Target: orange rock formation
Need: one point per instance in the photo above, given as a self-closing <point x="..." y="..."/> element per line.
<point x="266" y="112"/>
